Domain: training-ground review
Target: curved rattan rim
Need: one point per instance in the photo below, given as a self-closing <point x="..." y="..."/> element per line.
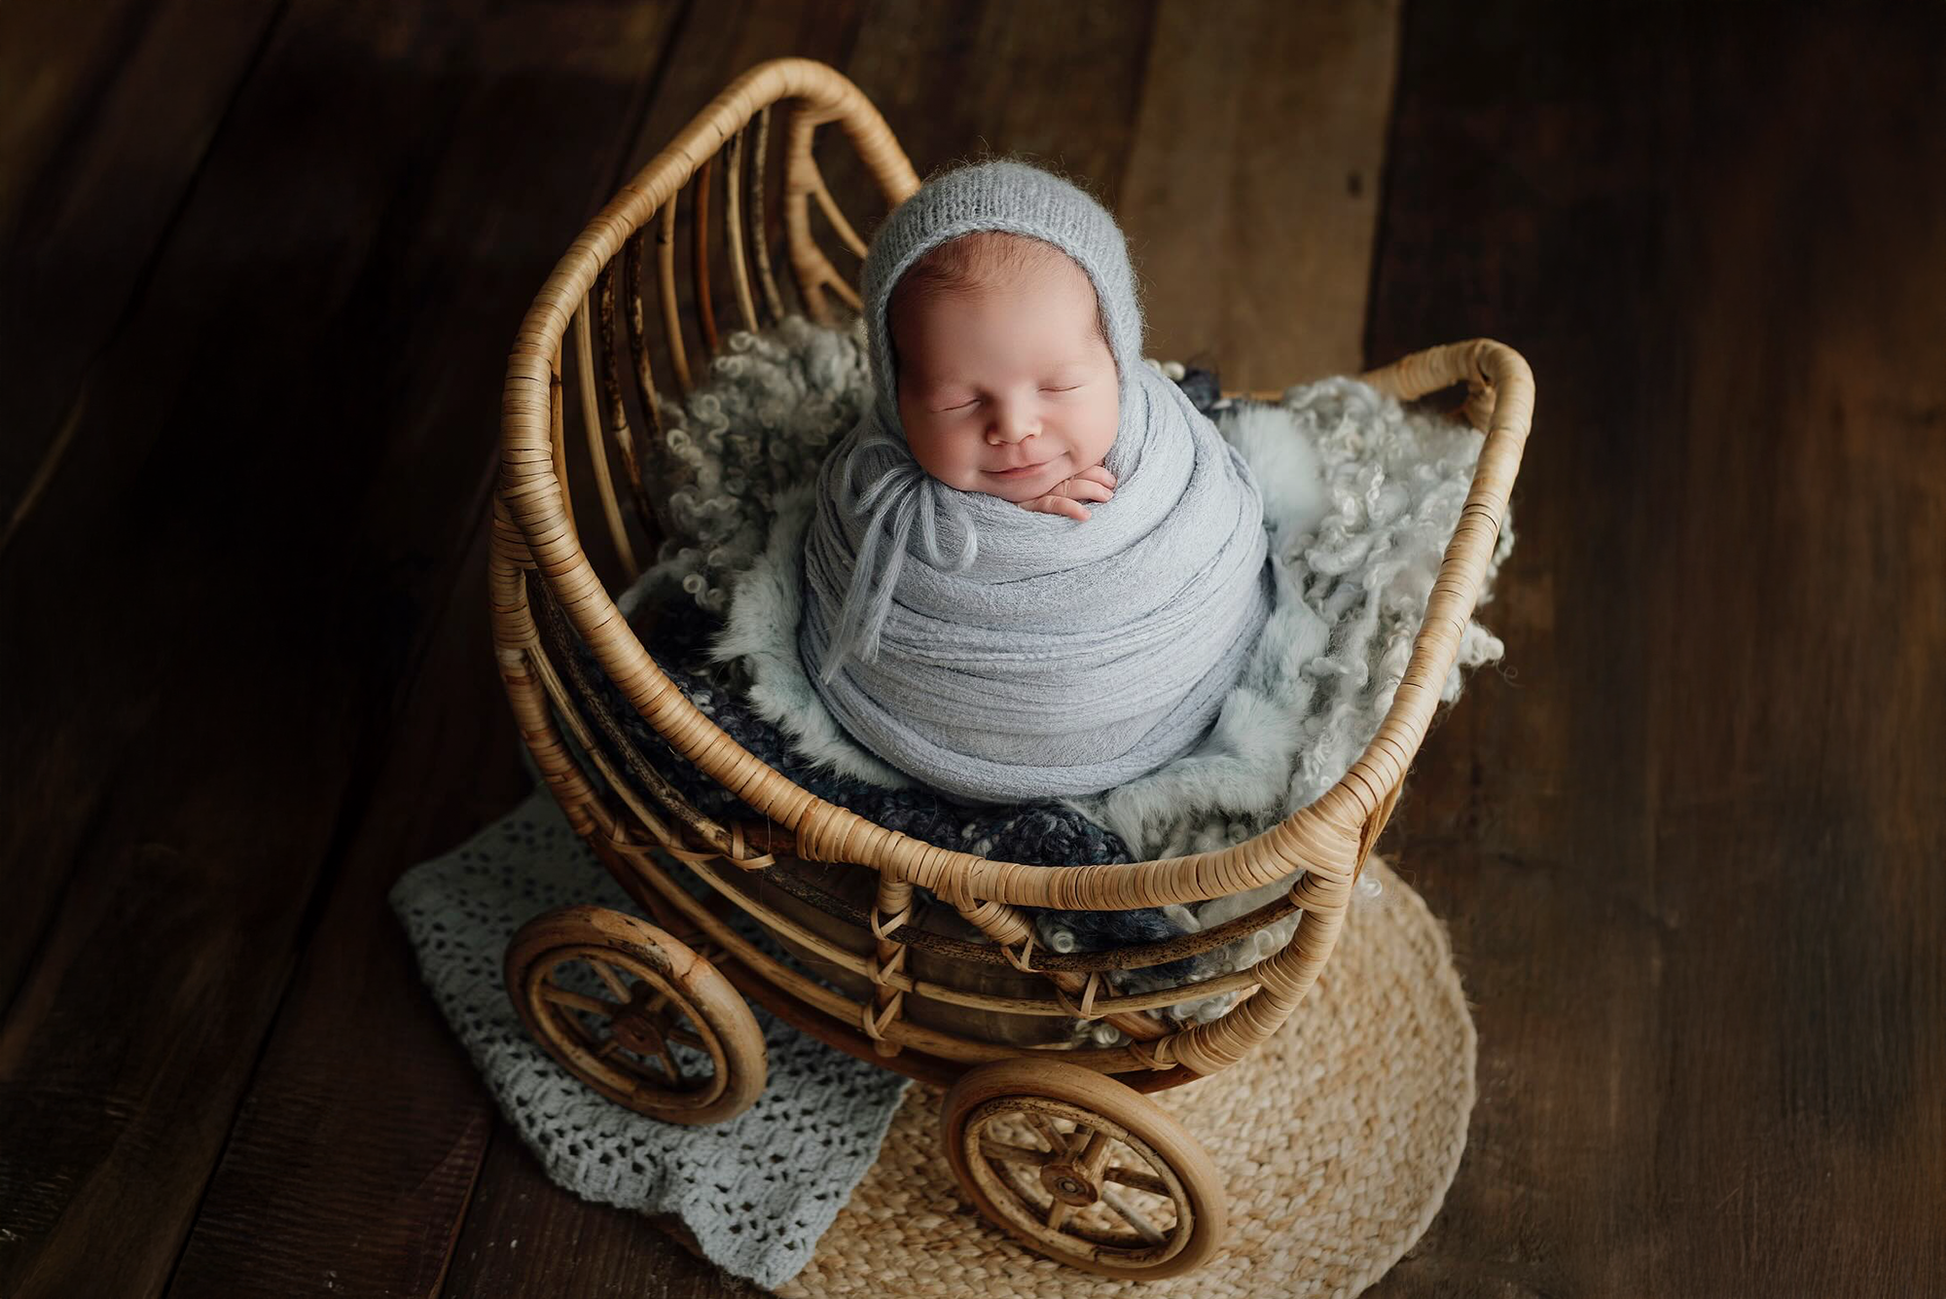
<point x="1328" y="838"/>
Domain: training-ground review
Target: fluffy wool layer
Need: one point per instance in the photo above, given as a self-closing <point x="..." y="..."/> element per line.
<point x="1361" y="496"/>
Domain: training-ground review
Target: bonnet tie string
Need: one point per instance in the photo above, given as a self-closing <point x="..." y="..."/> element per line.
<point x="901" y="494"/>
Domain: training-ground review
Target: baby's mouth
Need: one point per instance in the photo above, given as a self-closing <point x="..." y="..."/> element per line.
<point x="1021" y="471"/>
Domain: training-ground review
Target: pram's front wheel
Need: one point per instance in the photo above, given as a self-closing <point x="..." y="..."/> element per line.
<point x="1083" y="1169"/>
<point x="636" y="1015"/>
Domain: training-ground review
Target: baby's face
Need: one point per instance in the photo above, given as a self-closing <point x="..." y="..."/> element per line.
<point x="1006" y="386"/>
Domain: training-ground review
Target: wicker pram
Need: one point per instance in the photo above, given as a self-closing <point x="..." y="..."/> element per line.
<point x="1054" y="1143"/>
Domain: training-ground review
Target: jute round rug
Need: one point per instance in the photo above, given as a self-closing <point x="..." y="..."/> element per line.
<point x="1337" y="1139"/>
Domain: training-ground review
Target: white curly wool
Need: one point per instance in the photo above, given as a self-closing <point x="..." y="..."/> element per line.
<point x="758" y="1190"/>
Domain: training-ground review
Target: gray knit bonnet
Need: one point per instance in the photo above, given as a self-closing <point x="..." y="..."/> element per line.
<point x="877" y="483"/>
<point x="1011" y="198"/>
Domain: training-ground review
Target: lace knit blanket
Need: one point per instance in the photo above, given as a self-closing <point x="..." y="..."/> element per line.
<point x="756" y="1191"/>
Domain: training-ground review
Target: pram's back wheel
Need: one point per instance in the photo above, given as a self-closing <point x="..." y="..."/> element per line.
<point x="636" y="1015"/>
<point x="1083" y="1169"/>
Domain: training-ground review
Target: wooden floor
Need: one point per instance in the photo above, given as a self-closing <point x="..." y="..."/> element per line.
<point x="260" y="261"/>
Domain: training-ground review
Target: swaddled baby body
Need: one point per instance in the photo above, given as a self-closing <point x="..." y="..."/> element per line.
<point x="1035" y="570"/>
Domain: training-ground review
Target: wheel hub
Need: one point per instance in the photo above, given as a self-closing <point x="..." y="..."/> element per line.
<point x="1069" y="1185"/>
<point x="637" y="1029"/>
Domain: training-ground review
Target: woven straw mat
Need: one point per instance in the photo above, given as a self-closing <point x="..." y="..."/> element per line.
<point x="1337" y="1140"/>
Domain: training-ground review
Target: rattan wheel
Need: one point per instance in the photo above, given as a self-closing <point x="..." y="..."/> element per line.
<point x="1083" y="1169"/>
<point x="636" y="1015"/>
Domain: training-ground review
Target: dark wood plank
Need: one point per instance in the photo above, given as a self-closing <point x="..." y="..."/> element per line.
<point x="960" y="81"/>
<point x="364" y="1121"/>
<point x="111" y="109"/>
<point x="285" y="218"/>
<point x="115" y="111"/>
<point x="526" y="1236"/>
<point x="302" y="416"/>
<point x="56" y="60"/>
<point x="1251" y="201"/>
<point x="1689" y="842"/>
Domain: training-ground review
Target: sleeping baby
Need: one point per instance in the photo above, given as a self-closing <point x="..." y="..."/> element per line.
<point x="1035" y="569"/>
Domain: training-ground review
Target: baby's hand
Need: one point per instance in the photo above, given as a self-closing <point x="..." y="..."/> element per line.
<point x="1094" y="484"/>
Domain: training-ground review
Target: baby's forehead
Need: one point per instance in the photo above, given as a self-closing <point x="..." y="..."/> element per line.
<point x="992" y="274"/>
<point x="994" y="252"/>
<point x="991" y="261"/>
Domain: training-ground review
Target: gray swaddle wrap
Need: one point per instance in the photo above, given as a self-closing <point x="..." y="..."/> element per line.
<point x="1004" y="655"/>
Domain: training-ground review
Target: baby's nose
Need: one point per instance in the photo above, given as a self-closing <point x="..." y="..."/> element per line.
<point x="1011" y="426"/>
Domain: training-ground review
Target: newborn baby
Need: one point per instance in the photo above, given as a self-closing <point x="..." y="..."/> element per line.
<point x="1035" y="570"/>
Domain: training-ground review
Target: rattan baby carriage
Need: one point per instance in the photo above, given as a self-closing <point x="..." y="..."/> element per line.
<point x="1054" y="1143"/>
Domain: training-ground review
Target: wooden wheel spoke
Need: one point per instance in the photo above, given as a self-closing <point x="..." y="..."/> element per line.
<point x="616" y="984"/>
<point x="693" y="1041"/>
<point x="1057" y="1214"/>
<point x="1140" y="1179"/>
<point x="1008" y="1153"/>
<point x="1057" y="1144"/>
<point x="560" y="996"/>
<point x="677" y="1078"/>
<point x="647" y="1069"/>
<point x="1093" y="1154"/>
<point x="1130" y="1214"/>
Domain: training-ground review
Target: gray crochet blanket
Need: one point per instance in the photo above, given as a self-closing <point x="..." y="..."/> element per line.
<point x="756" y="1191"/>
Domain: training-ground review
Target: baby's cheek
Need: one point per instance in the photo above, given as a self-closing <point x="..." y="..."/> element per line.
<point x="1105" y="430"/>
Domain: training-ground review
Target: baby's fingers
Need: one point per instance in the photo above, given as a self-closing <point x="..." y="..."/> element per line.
<point x="1098" y="474"/>
<point x="1085" y="489"/>
<point x="1053" y="504"/>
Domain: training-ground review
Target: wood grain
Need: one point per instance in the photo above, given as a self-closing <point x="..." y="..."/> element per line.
<point x="1251" y="199"/>
<point x="364" y="1121"/>
<point x="958" y="82"/>
<point x="390" y="1131"/>
<point x="111" y="108"/>
<point x="525" y="1236"/>
<point x="1689" y="841"/>
<point x="110" y="112"/>
<point x="289" y="533"/>
<point x="153" y="498"/>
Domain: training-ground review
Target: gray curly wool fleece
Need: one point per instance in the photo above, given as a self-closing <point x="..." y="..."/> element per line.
<point x="1002" y="655"/>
